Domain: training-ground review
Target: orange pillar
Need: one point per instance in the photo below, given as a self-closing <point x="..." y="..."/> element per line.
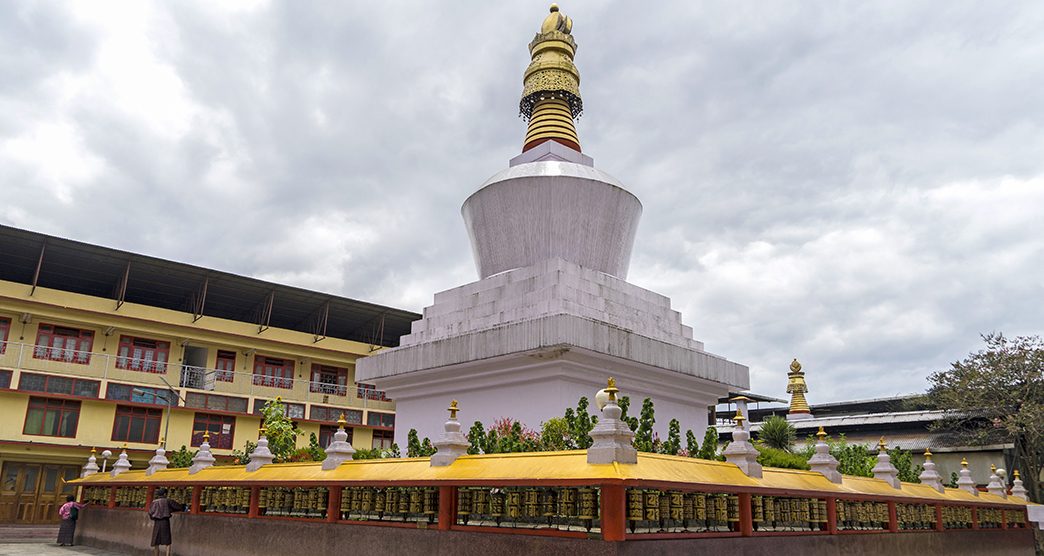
<point x="333" y="506"/>
<point x="832" y="515"/>
<point x="150" y="493"/>
<point x="746" y="515"/>
<point x="112" y="497"/>
<point x="255" y="500"/>
<point x="975" y="517"/>
<point x="1004" y="519"/>
<point x="447" y="507"/>
<point x="614" y="512"/>
<point x="938" y="517"/>
<point x="893" y="519"/>
<point x="197" y="491"/>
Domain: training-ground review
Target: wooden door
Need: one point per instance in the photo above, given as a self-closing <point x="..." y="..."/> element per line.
<point x="33" y="492"/>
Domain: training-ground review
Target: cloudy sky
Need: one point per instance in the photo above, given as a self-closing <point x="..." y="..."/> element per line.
<point x="856" y="184"/>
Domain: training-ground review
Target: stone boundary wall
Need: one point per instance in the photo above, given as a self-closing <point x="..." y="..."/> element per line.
<point x="130" y="532"/>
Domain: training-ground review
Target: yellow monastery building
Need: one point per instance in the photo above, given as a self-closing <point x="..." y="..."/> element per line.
<point x="96" y="343"/>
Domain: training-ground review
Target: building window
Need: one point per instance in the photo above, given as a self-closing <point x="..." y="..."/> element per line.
<point x="383" y="439"/>
<point x="291" y="410"/>
<point x="332" y="414"/>
<point x="32" y="382"/>
<point x="386" y="420"/>
<point x="329" y="380"/>
<point x="222" y="429"/>
<point x="136" y="424"/>
<point x="139" y="394"/>
<point x="370" y="392"/>
<point x="225" y="365"/>
<point x="50" y="417"/>
<point x="5" y="378"/>
<point x="60" y="343"/>
<point x="270" y="371"/>
<point x="143" y="354"/>
<point x="5" y="329"/>
<point x="326" y="433"/>
<point x="216" y="402"/>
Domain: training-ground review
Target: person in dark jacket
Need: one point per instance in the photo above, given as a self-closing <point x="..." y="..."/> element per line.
<point x="159" y="512"/>
<point x="69" y="512"/>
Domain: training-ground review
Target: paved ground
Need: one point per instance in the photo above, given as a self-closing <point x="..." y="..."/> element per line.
<point x="40" y="549"/>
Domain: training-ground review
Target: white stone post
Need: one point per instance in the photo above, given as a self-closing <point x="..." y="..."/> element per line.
<point x="122" y="464"/>
<point x="741" y="452"/>
<point x="822" y="461"/>
<point x="340" y="450"/>
<point x="930" y="476"/>
<point x="995" y="487"/>
<point x="158" y="462"/>
<point x="613" y="439"/>
<point x="261" y="455"/>
<point x="92" y="465"/>
<point x="884" y="469"/>
<point x="452" y="443"/>
<point x="965" y="482"/>
<point x="203" y="458"/>
<point x="1017" y="488"/>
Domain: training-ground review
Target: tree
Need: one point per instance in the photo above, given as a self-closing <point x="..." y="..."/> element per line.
<point x="692" y="448"/>
<point x="181" y="457"/>
<point x="279" y="430"/>
<point x="416" y="448"/>
<point x="777" y="433"/>
<point x="476" y="438"/>
<point x="625" y="403"/>
<point x="995" y="391"/>
<point x="709" y="449"/>
<point x="643" y="437"/>
<point x="902" y="460"/>
<point x="673" y="443"/>
<point x="555" y="435"/>
<point x="580" y="424"/>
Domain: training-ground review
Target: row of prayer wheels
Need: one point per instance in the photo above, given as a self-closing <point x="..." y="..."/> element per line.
<point x="915" y="516"/>
<point x="779" y="512"/>
<point x="131" y="497"/>
<point x="293" y="501"/>
<point x="96" y="495"/>
<point x="553" y="506"/>
<point x="370" y="502"/>
<point x="659" y="506"/>
<point x="228" y="500"/>
<point x="957" y="517"/>
<point x="862" y="515"/>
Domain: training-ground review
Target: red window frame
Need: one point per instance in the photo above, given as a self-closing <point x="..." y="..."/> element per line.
<point x="62" y="343"/>
<point x="332" y="414"/>
<point x="215" y="402"/>
<point x="274" y="372"/>
<point x="370" y="392"/>
<point x="129" y="414"/>
<point x="66" y="409"/>
<point x="327" y="379"/>
<point x="5" y="330"/>
<point x="142" y="354"/>
<point x="381" y="418"/>
<point x="74" y="383"/>
<point x="379" y="438"/>
<point x="215" y="424"/>
<point x="225" y="364"/>
<point x="326" y="433"/>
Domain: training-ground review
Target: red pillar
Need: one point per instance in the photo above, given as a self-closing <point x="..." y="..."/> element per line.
<point x="893" y="518"/>
<point x="746" y="515"/>
<point x="447" y="507"/>
<point x="255" y="499"/>
<point x="614" y="512"/>
<point x="150" y="493"/>
<point x="831" y="515"/>
<point x="112" y="497"/>
<point x="975" y="517"/>
<point x="938" y="518"/>
<point x="1004" y="519"/>
<point x="197" y="491"/>
<point x="333" y="506"/>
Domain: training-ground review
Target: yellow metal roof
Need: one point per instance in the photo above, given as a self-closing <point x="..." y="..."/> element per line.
<point x="549" y="466"/>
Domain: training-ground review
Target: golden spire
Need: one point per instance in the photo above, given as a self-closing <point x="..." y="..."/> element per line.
<point x="881" y="446"/>
<point x="341" y="421"/>
<point x="94" y="451"/>
<point x="206" y="436"/>
<point x="821" y="434"/>
<point x="964" y="463"/>
<point x="739" y="418"/>
<point x="551" y="85"/>
<point x="1016" y="473"/>
<point x="993" y="468"/>
<point x="453" y="409"/>
<point x="611" y="389"/>
<point x="927" y="455"/>
<point x="262" y="430"/>
<point x="796" y="387"/>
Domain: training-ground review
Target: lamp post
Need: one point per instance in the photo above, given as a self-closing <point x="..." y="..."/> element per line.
<point x="106" y="454"/>
<point x="166" y="425"/>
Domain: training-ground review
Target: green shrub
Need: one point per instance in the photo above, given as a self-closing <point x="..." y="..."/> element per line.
<point x="774" y="457"/>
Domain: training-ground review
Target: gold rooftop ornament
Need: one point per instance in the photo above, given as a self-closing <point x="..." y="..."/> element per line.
<point x="551" y="85"/>
<point x="611" y="389"/>
<point x="453" y="409"/>
<point x="797" y="388"/>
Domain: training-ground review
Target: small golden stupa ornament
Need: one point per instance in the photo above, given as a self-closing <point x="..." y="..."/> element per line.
<point x="551" y="85"/>
<point x="611" y="389"/>
<point x="453" y="409"/>
<point x="796" y="387"/>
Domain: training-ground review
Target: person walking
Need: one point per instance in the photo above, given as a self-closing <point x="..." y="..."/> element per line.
<point x="69" y="512"/>
<point x="159" y="512"/>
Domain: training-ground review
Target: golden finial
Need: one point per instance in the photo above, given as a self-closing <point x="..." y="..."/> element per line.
<point x="797" y="387"/>
<point x="1015" y="473"/>
<point x="821" y="434"/>
<point x="881" y="446"/>
<point x="927" y="455"/>
<point x="94" y="451"/>
<point x="611" y="389"/>
<point x="206" y="436"/>
<point x="453" y="409"/>
<point x="964" y="463"/>
<point x="262" y="429"/>
<point x="795" y="366"/>
<point x="739" y="418"/>
<point x="993" y="469"/>
<point x="551" y="85"/>
<point x="124" y="448"/>
<point x="341" y="421"/>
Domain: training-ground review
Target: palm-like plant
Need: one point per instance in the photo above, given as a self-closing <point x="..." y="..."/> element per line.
<point x="777" y="433"/>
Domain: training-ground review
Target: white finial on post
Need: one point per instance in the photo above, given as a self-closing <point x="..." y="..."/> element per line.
<point x="822" y="461"/>
<point x="92" y="465"/>
<point x="122" y="464"/>
<point x="158" y="462"/>
<point x="930" y="476"/>
<point x="452" y="443"/>
<point x="884" y="469"/>
<point x="261" y="455"/>
<point x="612" y="439"/>
<point x="965" y="482"/>
<point x="741" y="452"/>
<point x="995" y="487"/>
<point x="203" y="458"/>
<point x="340" y="450"/>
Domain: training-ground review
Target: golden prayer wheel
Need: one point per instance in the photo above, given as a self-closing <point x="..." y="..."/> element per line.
<point x="677" y="506"/>
<point x="733" y="508"/>
<point x="480" y="502"/>
<point x="431" y="501"/>
<point x="757" y="509"/>
<point x="701" y="507"/>
<point x="721" y="509"/>
<point x="567" y="502"/>
<point x="464" y="503"/>
<point x="531" y="502"/>
<point x="635" y="507"/>
<point x="514" y="504"/>
<point x="496" y="504"/>
<point x="588" y="503"/>
<point x="547" y="503"/>
<point x="689" y="506"/>
<point x="665" y="505"/>
<point x="416" y="497"/>
<point x="652" y="505"/>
